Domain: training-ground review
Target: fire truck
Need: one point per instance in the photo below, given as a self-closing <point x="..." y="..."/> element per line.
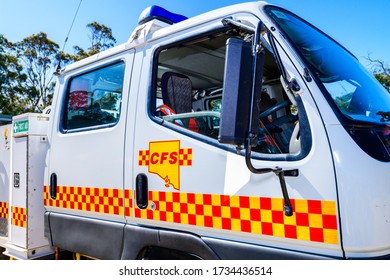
<point x="241" y="133"/>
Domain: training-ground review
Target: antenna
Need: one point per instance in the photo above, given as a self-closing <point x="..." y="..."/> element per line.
<point x="67" y="37"/>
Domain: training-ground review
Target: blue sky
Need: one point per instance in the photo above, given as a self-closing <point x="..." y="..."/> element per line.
<point x="361" y="26"/>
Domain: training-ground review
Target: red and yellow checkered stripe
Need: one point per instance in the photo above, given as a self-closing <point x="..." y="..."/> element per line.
<point x="19" y="216"/>
<point x="100" y="200"/>
<point x="4" y="210"/>
<point x="313" y="220"/>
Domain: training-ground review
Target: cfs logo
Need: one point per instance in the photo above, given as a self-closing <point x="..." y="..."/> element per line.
<point x="164" y="159"/>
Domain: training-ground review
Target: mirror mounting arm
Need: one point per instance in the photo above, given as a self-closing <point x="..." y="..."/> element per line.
<point x="258" y="60"/>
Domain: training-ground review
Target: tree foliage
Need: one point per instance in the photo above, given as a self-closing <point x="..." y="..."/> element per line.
<point x="11" y="80"/>
<point x="381" y="72"/>
<point x="27" y="67"/>
<point x="38" y="54"/>
<point x="101" y="38"/>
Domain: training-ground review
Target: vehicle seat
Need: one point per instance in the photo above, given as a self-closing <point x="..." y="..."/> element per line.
<point x="176" y="92"/>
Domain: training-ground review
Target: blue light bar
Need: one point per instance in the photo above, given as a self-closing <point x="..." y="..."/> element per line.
<point x="156" y="12"/>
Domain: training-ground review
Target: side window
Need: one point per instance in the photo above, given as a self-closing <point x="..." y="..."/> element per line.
<point x="94" y="99"/>
<point x="189" y="89"/>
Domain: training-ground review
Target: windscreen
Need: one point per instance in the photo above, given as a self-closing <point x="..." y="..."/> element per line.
<point x="354" y="91"/>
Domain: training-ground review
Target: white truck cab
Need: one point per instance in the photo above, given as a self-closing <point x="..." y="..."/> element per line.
<point x="242" y="133"/>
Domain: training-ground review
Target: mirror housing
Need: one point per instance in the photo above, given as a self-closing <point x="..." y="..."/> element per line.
<point x="237" y="93"/>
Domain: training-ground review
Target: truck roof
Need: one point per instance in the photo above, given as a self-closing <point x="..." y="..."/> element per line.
<point x="155" y="29"/>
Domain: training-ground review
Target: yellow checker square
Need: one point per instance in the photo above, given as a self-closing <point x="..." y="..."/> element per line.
<point x="169" y="217"/>
<point x="278" y="230"/>
<point x="162" y="206"/>
<point x="169" y="197"/>
<point x="245" y="214"/>
<point x="183" y="198"/>
<point x="225" y="212"/>
<point x="331" y="236"/>
<point x="290" y="220"/>
<point x="254" y="203"/>
<point x="315" y="221"/>
<point x="235" y="201"/>
<point x="216" y="200"/>
<point x="217" y="222"/>
<point x="200" y="221"/>
<point x="184" y="219"/>
<point x="236" y="224"/>
<point x="277" y="204"/>
<point x="176" y="207"/>
<point x="191" y="209"/>
<point x="266" y="216"/>
<point x="208" y="210"/>
<point x="156" y="215"/>
<point x="301" y="206"/>
<point x="155" y="196"/>
<point x="303" y="233"/>
<point x="328" y="207"/>
<point x="256" y="227"/>
<point x="198" y="198"/>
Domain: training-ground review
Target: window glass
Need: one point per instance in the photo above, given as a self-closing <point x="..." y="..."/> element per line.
<point x="94" y="98"/>
<point x="189" y="88"/>
<point x="355" y="92"/>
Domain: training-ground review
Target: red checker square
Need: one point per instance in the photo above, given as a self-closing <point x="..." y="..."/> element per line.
<point x="314" y="206"/>
<point x="105" y="192"/>
<point x="169" y="206"/>
<point x="192" y="219"/>
<point x="149" y="214"/>
<point x="137" y="213"/>
<point x="246" y="226"/>
<point x="225" y="200"/>
<point x="96" y="192"/>
<point x="329" y="221"/>
<point x="235" y="212"/>
<point x="316" y="234"/>
<point x="176" y="197"/>
<point x="290" y="231"/>
<point x="226" y="223"/>
<point x="266" y="228"/>
<point x="161" y="196"/>
<point x="216" y="210"/>
<point x="208" y="221"/>
<point x="255" y="215"/>
<point x="199" y="209"/>
<point x="244" y="202"/>
<point x="163" y="216"/>
<point x="207" y="199"/>
<point x="183" y="208"/>
<point x="176" y="218"/>
<point x="302" y="219"/>
<point x="191" y="198"/>
<point x="278" y="217"/>
<point x="265" y="203"/>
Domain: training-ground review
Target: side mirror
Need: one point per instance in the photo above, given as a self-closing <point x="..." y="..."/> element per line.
<point x="237" y="93"/>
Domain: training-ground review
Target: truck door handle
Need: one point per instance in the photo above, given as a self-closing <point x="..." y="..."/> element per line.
<point x="53" y="186"/>
<point x="141" y="191"/>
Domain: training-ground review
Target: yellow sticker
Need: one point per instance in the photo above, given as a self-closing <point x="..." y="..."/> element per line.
<point x="164" y="158"/>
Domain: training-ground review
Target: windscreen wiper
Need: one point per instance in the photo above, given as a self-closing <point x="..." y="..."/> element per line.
<point x="385" y="115"/>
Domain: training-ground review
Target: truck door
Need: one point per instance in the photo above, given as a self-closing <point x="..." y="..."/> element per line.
<point x="199" y="186"/>
<point x="85" y="193"/>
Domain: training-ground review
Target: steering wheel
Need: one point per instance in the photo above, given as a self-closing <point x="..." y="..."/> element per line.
<point x="275" y="123"/>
